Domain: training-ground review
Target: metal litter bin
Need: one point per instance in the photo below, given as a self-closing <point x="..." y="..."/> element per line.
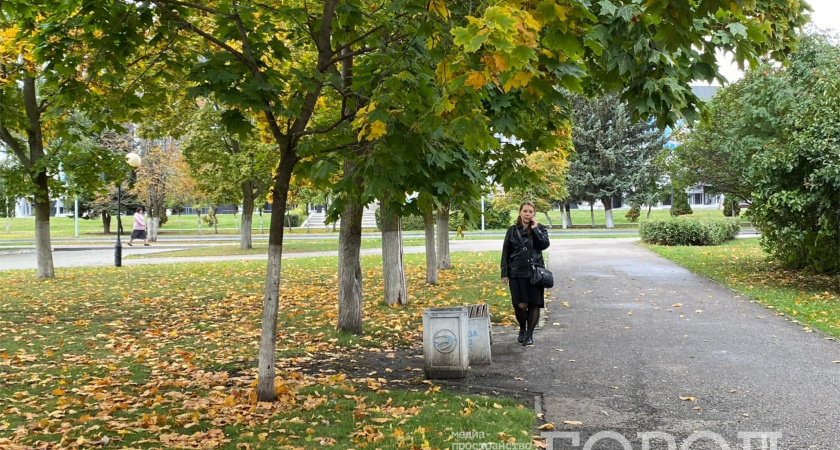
<point x="479" y="335"/>
<point x="446" y="342"/>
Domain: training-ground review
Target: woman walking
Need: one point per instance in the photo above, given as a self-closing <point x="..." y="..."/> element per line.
<point x="523" y="246"/>
<point x="139" y="231"/>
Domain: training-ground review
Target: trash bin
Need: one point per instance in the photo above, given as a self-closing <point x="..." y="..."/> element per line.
<point x="446" y="342"/>
<point x="479" y="335"/>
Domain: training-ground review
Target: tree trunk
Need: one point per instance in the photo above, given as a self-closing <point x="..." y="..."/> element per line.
<point x="43" y="248"/>
<point x="268" y="337"/>
<point x="245" y="241"/>
<point x="106" y="222"/>
<point x="592" y="212"/>
<point x="154" y="226"/>
<point x="608" y="211"/>
<point x="198" y="213"/>
<point x="393" y="266"/>
<point x="431" y="260"/>
<point x="548" y="219"/>
<point x="567" y="210"/>
<point x="444" y="260"/>
<point x="38" y="173"/>
<point x="649" y="208"/>
<point x="349" y="262"/>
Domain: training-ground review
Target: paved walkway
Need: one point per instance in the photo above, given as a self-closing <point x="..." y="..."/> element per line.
<point x="647" y="346"/>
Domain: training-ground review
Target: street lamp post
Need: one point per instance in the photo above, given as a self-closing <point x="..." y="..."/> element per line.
<point x="133" y="160"/>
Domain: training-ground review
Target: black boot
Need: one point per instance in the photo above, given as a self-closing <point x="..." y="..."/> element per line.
<point x="529" y="339"/>
<point x="521" y="337"/>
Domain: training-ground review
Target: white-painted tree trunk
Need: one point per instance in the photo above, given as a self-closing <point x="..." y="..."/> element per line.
<point x="431" y="260"/>
<point x="266" y="370"/>
<point x="608" y="212"/>
<point x="444" y="261"/>
<point x="245" y="241"/>
<point x="568" y="214"/>
<point x="393" y="266"/>
<point x="152" y="229"/>
<point x="43" y="247"/>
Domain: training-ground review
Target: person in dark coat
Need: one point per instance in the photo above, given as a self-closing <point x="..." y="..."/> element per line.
<point x="524" y="243"/>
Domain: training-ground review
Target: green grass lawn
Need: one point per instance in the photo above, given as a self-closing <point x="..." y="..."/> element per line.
<point x="743" y="266"/>
<point x="165" y="356"/>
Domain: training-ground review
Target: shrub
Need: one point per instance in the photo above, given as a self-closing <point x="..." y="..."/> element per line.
<point x="689" y="231"/>
<point x="681" y="206"/>
<point x="732" y="207"/>
<point x="409" y="223"/>
<point x="291" y="219"/>
<point x="634" y="212"/>
<point x="496" y="219"/>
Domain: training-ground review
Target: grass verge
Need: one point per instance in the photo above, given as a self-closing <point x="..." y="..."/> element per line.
<point x="164" y="356"/>
<point x="743" y="266"/>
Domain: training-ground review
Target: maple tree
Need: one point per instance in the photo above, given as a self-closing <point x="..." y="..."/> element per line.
<point x="511" y="53"/>
<point x="228" y="167"/>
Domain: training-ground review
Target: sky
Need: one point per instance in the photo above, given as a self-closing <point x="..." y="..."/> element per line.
<point x="825" y="16"/>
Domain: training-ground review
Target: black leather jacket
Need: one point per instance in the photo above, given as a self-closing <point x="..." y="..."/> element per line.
<point x="515" y="256"/>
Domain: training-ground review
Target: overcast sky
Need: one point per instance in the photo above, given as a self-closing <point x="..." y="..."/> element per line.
<point x="825" y="15"/>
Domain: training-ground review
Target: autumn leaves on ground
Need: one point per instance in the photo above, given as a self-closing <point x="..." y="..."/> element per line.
<point x="153" y="356"/>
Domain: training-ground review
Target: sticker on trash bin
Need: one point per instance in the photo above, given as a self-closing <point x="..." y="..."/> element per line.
<point x="445" y="341"/>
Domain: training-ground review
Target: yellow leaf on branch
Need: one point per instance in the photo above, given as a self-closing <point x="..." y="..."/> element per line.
<point x="521" y="79"/>
<point x="476" y="80"/>
<point x="377" y="129"/>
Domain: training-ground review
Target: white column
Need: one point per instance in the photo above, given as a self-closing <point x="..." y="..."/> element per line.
<point x="76" y="213"/>
<point x="482" y="212"/>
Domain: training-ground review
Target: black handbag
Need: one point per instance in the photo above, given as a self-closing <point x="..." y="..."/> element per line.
<point x="540" y="276"/>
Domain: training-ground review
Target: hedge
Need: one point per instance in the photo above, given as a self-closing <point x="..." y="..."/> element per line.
<point x="689" y="231"/>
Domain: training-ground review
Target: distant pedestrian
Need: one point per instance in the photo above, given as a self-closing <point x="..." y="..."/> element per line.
<point x="523" y="246"/>
<point x="139" y="231"/>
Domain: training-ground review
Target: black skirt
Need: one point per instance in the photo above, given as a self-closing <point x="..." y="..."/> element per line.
<point x="522" y="291"/>
<point x="138" y="234"/>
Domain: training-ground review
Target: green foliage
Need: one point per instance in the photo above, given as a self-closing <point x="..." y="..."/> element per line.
<point x="689" y="231"/>
<point x="495" y="219"/>
<point x="292" y="219"/>
<point x="796" y="174"/>
<point x="680" y="207"/>
<point x="614" y="155"/>
<point x="226" y="166"/>
<point x="634" y="212"/>
<point x="731" y="207"/>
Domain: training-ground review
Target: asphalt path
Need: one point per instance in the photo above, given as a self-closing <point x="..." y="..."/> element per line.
<point x="635" y="344"/>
